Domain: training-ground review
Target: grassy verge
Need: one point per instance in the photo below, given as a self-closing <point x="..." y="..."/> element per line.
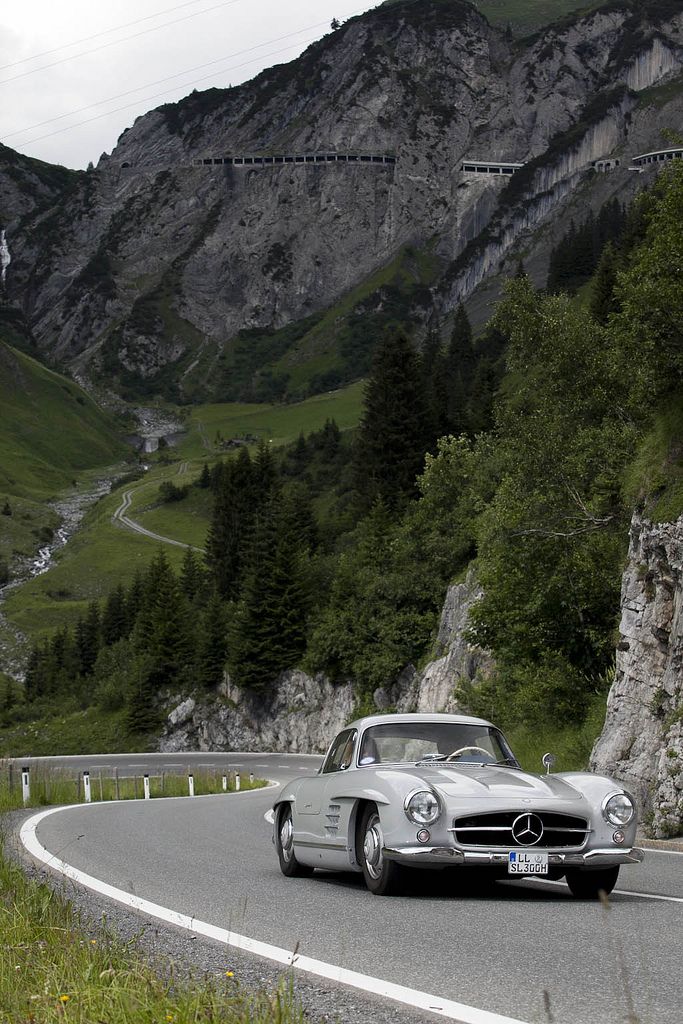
<point x="54" y="969"/>
<point x="52" y="786"/>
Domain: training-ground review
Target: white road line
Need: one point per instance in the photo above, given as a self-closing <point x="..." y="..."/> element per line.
<point x="668" y="853"/>
<point x="618" y="892"/>
<point x="270" y="816"/>
<point x="649" y="896"/>
<point x="447" y="1008"/>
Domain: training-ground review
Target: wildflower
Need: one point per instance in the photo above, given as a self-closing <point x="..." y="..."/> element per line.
<point x="169" y="1017"/>
<point x="93" y="942"/>
<point x="64" y="999"/>
<point x="229" y="974"/>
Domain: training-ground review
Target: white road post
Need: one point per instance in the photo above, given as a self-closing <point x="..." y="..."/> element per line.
<point x="145" y="783"/>
<point x="251" y="778"/>
<point x="25" y="785"/>
<point x="190" y="784"/>
<point x="237" y="780"/>
<point x="86" y="787"/>
<point x="225" y="783"/>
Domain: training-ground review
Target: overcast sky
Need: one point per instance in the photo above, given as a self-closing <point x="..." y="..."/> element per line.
<point x="102" y="65"/>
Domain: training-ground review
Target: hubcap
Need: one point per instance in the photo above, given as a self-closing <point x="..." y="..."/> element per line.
<point x="372" y="847"/>
<point x="286" y="837"/>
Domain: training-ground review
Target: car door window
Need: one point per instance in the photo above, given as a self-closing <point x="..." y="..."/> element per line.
<point x="341" y="752"/>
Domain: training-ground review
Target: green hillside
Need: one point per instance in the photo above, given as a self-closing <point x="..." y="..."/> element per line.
<point x="524" y="16"/>
<point x="50" y="430"/>
<point x="529" y="15"/>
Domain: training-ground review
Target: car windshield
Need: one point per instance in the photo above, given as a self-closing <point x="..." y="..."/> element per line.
<point x="464" y="743"/>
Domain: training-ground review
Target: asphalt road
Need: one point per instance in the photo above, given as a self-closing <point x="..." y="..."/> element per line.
<point x="525" y="950"/>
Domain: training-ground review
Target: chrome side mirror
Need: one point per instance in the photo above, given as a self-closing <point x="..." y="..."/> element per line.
<point x="549" y="762"/>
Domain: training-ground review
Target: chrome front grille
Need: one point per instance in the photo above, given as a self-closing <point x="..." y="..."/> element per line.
<point x="495" y="830"/>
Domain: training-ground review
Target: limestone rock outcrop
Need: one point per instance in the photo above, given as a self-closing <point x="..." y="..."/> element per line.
<point x="642" y="741"/>
<point x="307" y="711"/>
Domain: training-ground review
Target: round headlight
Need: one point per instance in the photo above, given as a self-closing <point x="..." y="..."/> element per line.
<point x="422" y="808"/>
<point x="619" y="809"/>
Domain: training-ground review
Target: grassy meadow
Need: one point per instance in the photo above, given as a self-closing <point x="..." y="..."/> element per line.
<point x="208" y="424"/>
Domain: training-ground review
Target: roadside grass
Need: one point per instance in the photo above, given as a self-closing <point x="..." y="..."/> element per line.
<point x="571" y="744"/>
<point x="56" y="968"/>
<point x="51" y="786"/>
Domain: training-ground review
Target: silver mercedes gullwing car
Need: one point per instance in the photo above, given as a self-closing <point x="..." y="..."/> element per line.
<point x="446" y="791"/>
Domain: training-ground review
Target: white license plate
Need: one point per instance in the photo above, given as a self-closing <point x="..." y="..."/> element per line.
<point x="524" y="862"/>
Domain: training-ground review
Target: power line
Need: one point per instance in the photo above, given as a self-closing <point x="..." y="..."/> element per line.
<point x="157" y="95"/>
<point x="98" y="35"/>
<point x="115" y="42"/>
<point x="169" y="78"/>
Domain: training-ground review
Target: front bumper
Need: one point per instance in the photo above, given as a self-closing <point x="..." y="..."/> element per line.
<point x="445" y="855"/>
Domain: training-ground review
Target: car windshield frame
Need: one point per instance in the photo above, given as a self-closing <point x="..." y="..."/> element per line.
<point x="369" y="752"/>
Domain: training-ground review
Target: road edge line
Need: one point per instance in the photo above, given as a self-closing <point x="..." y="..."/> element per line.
<point x="366" y="983"/>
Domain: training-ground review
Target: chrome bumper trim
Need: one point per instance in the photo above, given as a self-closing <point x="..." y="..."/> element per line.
<point x="449" y="855"/>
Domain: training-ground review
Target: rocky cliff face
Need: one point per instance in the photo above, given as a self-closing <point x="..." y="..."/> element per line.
<point x="153" y="265"/>
<point x="642" y="742"/>
<point x="307" y="712"/>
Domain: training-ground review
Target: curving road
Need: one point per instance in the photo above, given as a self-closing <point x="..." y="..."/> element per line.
<point x="120" y="516"/>
<point x="523" y="951"/>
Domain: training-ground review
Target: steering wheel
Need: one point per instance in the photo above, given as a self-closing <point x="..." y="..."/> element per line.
<point x="461" y="750"/>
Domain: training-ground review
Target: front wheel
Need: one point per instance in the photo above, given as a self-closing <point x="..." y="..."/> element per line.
<point x="382" y="877"/>
<point x="588" y="885"/>
<point x="284" y="844"/>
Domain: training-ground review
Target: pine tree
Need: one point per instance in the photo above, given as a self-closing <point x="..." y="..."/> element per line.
<point x="134" y="601"/>
<point x="213" y="646"/>
<point x="254" y="637"/>
<point x="268" y="632"/>
<point x="34" y="680"/>
<point x="88" y="638"/>
<point x="115" y="617"/>
<point x="394" y="432"/>
<point x="191" y="576"/>
<point x="603" y="301"/>
<point x="237" y="498"/>
<point x="265" y="475"/>
<point x="142" y="715"/>
<point x="204" y="480"/>
<point x="162" y="631"/>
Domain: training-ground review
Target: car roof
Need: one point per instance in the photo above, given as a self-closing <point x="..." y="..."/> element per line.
<point x="369" y="720"/>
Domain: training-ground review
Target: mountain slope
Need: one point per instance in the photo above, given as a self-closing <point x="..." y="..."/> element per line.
<point x="160" y="275"/>
<point x="50" y="429"/>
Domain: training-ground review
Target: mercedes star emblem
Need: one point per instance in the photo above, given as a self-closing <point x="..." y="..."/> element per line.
<point x="527" y="829"/>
